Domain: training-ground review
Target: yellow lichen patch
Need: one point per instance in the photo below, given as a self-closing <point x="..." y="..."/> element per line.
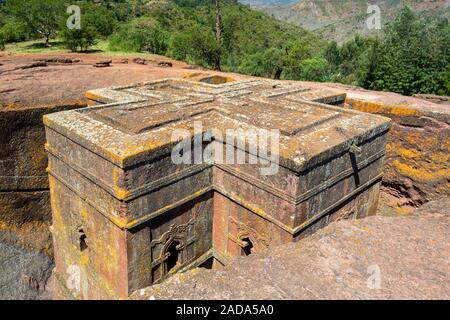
<point x="6" y="227"/>
<point x="440" y="158"/>
<point x="443" y="188"/>
<point x="404" y="111"/>
<point x="378" y="107"/>
<point x="429" y="142"/>
<point x="38" y="156"/>
<point x="84" y="213"/>
<point x="118" y="191"/>
<point x="408" y="153"/>
<point x="84" y="259"/>
<point x="92" y="96"/>
<point x="56" y="213"/>
<point x="421" y="174"/>
<point x="404" y="210"/>
<point x="133" y="150"/>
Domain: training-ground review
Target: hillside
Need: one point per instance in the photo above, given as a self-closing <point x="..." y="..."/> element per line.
<point x="410" y="57"/>
<point x="340" y="20"/>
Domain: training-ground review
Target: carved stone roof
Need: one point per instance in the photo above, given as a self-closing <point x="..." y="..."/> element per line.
<point x="137" y="122"/>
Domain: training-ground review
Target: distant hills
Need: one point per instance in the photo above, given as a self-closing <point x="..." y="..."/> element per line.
<point x="341" y="19"/>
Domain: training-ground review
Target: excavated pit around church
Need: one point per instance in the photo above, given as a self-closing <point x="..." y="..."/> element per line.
<point x="411" y="181"/>
<point x="113" y="176"/>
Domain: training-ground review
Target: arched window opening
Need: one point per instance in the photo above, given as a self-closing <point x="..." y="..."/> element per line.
<point x="248" y="248"/>
<point x="174" y="256"/>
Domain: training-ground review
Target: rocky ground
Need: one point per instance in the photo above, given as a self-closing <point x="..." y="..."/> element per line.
<point x="402" y="257"/>
<point x="34" y="79"/>
<point x="24" y="271"/>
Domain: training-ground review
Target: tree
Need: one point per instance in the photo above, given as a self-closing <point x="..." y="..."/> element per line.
<point x="295" y="53"/>
<point x="41" y="17"/>
<point x="332" y="54"/>
<point x="99" y="17"/>
<point x="83" y="38"/>
<point x="196" y="45"/>
<point x="267" y="64"/>
<point x="96" y="21"/>
<point x="353" y="62"/>
<point x="142" y="34"/>
<point x="414" y="56"/>
<point x="218" y="33"/>
<point x="314" y="69"/>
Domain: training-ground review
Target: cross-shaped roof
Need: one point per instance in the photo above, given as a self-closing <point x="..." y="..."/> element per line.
<point x="137" y="121"/>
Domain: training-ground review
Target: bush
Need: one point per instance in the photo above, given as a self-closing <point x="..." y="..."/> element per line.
<point x="180" y="47"/>
<point x="268" y="64"/>
<point x="100" y="18"/>
<point x="14" y="31"/>
<point x="140" y="35"/>
<point x="314" y="69"/>
<point x="415" y="56"/>
<point x="96" y="21"/>
<point x="40" y="17"/>
<point x="79" y="38"/>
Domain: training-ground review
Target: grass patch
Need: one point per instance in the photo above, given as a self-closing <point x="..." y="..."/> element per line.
<point x="57" y="46"/>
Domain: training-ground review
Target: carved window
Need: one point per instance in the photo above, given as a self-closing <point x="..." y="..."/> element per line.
<point x="169" y="252"/>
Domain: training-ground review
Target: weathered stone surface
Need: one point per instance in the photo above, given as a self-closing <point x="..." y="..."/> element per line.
<point x="26" y="253"/>
<point x="22" y="157"/>
<point x="103" y="64"/>
<point x="418" y="153"/>
<point x="412" y="254"/>
<point x="24" y="271"/>
<point x="24" y="195"/>
<point x="25" y="215"/>
<point x="114" y="183"/>
<point x="208" y="78"/>
<point x="19" y="207"/>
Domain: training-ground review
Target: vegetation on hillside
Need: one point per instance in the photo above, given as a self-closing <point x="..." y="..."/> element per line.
<point x="412" y="56"/>
<point x="341" y="20"/>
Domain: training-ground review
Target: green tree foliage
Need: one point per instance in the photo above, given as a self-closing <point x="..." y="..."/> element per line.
<point x="81" y="39"/>
<point x="191" y="32"/>
<point x="142" y="34"/>
<point x="2" y="40"/>
<point x="354" y="61"/>
<point x="280" y="63"/>
<point x="315" y="69"/>
<point x="99" y="17"/>
<point x="197" y="45"/>
<point x="296" y="52"/>
<point x="10" y="28"/>
<point x="40" y="17"/>
<point x="267" y="64"/>
<point x="411" y="56"/>
<point x="415" y="56"/>
<point x="96" y="21"/>
<point x="196" y="3"/>
<point x="122" y="10"/>
<point x="14" y="31"/>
